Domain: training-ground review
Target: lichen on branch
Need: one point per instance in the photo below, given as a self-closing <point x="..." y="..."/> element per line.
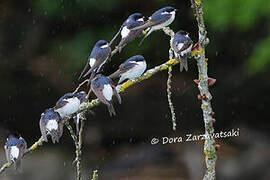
<point x="95" y="102"/>
<point x="205" y="96"/>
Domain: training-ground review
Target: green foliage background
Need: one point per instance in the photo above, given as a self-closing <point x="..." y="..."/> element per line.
<point x="242" y="16"/>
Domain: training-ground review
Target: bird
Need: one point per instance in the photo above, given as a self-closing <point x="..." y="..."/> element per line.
<point x="104" y="89"/>
<point x="70" y="103"/>
<point x="99" y="55"/>
<point x="182" y="46"/>
<point x="127" y="35"/>
<point x="159" y="19"/>
<point x="130" y="69"/>
<point x="15" y="149"/>
<point x="51" y="124"/>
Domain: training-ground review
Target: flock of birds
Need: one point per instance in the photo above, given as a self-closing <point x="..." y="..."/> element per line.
<point x="53" y="119"/>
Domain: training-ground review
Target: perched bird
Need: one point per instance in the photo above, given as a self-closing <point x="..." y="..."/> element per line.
<point x="127" y="34"/>
<point x="97" y="58"/>
<point x="131" y="68"/>
<point x="15" y="148"/>
<point x="70" y="103"/>
<point x="159" y="19"/>
<point x="104" y="89"/>
<point x="182" y="46"/>
<point x="51" y="123"/>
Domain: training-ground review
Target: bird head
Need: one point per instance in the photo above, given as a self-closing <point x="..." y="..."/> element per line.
<point x="102" y="44"/>
<point x="168" y="10"/>
<point x="137" y="17"/>
<point x="137" y="58"/>
<point x="183" y="33"/>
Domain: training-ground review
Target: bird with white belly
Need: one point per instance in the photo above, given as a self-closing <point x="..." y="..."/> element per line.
<point x="132" y="68"/>
<point x="15" y="148"/>
<point x="51" y="124"/>
<point x="104" y="90"/>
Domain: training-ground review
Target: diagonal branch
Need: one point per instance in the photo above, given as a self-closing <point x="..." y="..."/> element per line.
<point x="205" y="96"/>
<point x="148" y="74"/>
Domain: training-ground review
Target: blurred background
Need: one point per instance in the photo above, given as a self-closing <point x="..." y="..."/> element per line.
<point x="44" y="45"/>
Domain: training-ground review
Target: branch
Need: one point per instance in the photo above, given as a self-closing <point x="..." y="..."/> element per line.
<point x="120" y="88"/>
<point x="170" y="33"/>
<point x="205" y="96"/>
<point x="169" y="95"/>
<point x="77" y="141"/>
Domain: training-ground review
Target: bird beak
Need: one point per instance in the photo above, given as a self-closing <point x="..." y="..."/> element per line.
<point x="175" y="10"/>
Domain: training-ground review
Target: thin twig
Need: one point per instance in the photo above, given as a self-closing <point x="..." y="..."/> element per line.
<point x="77" y="89"/>
<point x="209" y="144"/>
<point x="170" y="33"/>
<point x="81" y="116"/>
<point x="169" y="95"/>
<point x="72" y="133"/>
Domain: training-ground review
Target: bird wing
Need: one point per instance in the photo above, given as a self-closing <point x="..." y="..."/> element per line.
<point x="100" y="59"/>
<point x="186" y="44"/>
<point x="111" y="109"/>
<point x="98" y="92"/>
<point x="116" y="74"/>
<point x="132" y="35"/>
<point x="42" y="126"/>
<point x="122" y="69"/>
<point x="117" y="94"/>
<point x="7" y="151"/>
<point x="60" y="104"/>
<point x="150" y="23"/>
<point x="60" y="128"/>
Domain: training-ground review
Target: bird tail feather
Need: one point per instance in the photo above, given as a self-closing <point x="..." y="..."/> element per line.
<point x="111" y="109"/>
<point x="183" y="64"/>
<point x="54" y="136"/>
<point x="148" y="33"/>
<point x="84" y="69"/>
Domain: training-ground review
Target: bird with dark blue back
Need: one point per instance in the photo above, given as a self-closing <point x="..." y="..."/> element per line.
<point x="51" y="124"/>
<point x="159" y="19"/>
<point x="99" y="55"/>
<point x="127" y="34"/>
<point x="132" y="68"/>
<point x="104" y="90"/>
<point x="15" y="149"/>
<point x="70" y="103"/>
<point x="182" y="46"/>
